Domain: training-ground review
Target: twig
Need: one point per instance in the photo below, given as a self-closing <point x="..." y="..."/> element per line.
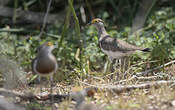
<point x="121" y="88"/>
<point x="95" y="77"/>
<point x="150" y="70"/>
<point x="18" y="30"/>
<point x="45" y="18"/>
<point x="66" y="25"/>
<point x="126" y="80"/>
<point x="90" y="9"/>
<point x="150" y="78"/>
<point x="91" y="85"/>
<point x="52" y="35"/>
<point x="15" y="11"/>
<point x="77" y="29"/>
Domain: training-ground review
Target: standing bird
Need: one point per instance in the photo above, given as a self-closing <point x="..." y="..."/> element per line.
<point x="113" y="47"/>
<point x="45" y="63"/>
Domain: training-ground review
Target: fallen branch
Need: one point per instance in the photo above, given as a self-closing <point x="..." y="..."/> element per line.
<point x="135" y="77"/>
<point x="126" y="88"/>
<point x="121" y="88"/>
<point x="28" y="31"/>
<point x="150" y="70"/>
<point x="57" y="97"/>
<point x="31" y="17"/>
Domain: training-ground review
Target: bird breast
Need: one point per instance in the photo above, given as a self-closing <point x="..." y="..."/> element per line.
<point x="46" y="64"/>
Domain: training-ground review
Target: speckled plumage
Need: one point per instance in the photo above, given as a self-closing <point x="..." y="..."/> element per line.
<point x="113" y="47"/>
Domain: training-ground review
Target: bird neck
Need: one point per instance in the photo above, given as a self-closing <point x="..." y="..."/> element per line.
<point x="45" y="53"/>
<point x="101" y="30"/>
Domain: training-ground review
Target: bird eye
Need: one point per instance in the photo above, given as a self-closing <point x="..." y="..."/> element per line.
<point x="94" y="21"/>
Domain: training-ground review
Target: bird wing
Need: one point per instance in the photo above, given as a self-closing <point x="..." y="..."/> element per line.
<point x="126" y="46"/>
<point x="108" y="43"/>
<point x="112" y="44"/>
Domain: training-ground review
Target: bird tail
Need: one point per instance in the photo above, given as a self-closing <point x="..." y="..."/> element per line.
<point x="146" y="50"/>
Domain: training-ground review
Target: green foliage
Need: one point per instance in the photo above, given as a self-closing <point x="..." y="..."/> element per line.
<point x="162" y="24"/>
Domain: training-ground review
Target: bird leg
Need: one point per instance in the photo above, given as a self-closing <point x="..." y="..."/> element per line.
<point x="113" y="65"/>
<point x="107" y="66"/>
<point x="124" y="65"/>
<point x="39" y="78"/>
<point x="51" y="90"/>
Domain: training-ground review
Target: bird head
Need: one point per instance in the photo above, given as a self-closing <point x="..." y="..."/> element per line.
<point x="47" y="46"/>
<point x="96" y="22"/>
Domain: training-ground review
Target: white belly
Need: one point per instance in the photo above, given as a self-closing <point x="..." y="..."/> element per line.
<point x="116" y="54"/>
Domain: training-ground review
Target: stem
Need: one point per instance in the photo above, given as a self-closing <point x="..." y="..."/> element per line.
<point x="77" y="27"/>
<point x="15" y="11"/>
<point x="45" y="19"/>
<point x="66" y="24"/>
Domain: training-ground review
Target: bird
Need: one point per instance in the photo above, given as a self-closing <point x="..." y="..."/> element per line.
<point x="45" y="63"/>
<point x="81" y="103"/>
<point x="114" y="48"/>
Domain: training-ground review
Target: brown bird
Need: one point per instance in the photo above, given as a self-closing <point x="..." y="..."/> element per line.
<point x="113" y="47"/>
<point x="45" y="63"/>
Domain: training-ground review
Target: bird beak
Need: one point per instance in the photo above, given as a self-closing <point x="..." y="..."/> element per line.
<point x="88" y="23"/>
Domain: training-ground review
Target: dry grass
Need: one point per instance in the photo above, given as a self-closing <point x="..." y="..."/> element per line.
<point x="145" y="99"/>
<point x="162" y="98"/>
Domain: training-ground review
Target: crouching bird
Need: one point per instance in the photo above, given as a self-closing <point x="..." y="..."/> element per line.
<point x="81" y="103"/>
<point x="45" y="63"/>
<point x="111" y="46"/>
